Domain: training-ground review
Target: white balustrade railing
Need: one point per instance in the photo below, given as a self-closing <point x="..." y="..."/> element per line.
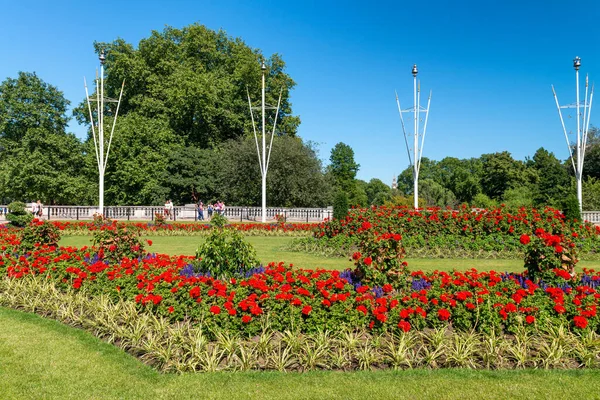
<point x="189" y="212"/>
<point x="185" y="213"/>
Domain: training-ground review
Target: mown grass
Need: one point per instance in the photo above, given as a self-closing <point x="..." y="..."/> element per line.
<point x="44" y="359"/>
<point x="269" y="248"/>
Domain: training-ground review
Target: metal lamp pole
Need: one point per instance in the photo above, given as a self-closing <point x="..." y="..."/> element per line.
<point x="583" y="124"/>
<point x="263" y="160"/>
<point x="99" y="141"/>
<point x="415" y="159"/>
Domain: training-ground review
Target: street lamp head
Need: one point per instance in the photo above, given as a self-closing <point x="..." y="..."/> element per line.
<point x="102" y="58"/>
<point x="577" y="63"/>
<point x="263" y="66"/>
<point x="415" y="71"/>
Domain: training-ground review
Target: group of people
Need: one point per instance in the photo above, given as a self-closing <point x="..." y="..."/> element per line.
<point x="218" y="207"/>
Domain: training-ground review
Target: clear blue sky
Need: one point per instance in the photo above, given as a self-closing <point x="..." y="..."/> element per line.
<point x="489" y="64"/>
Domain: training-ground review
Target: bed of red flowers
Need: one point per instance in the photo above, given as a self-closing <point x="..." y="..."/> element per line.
<point x="486" y="229"/>
<point x="149" y="228"/>
<point x="310" y="300"/>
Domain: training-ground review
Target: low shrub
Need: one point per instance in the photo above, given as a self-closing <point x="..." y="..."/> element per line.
<point x="38" y="233"/>
<point x="18" y="215"/>
<point x="115" y="242"/>
<point x="546" y="254"/>
<point x="159" y="219"/>
<point x="225" y="254"/>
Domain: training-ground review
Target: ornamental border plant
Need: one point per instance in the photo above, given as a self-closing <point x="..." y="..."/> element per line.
<point x="548" y="256"/>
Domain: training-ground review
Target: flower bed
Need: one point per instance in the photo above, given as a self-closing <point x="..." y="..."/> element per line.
<point x="185" y="229"/>
<point x="312" y="300"/>
<point x="435" y="232"/>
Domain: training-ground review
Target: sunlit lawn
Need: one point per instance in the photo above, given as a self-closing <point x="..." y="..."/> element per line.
<point x="43" y="359"/>
<point x="269" y="248"/>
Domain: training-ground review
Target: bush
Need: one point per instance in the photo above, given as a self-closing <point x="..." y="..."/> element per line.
<point x="38" y="233"/>
<point x="340" y="205"/>
<point x="225" y="254"/>
<point x="18" y="215"/>
<point x="218" y="220"/>
<point x="379" y="259"/>
<point x="115" y="242"/>
<point x="549" y="258"/>
<point x="159" y="219"/>
<point x="571" y="208"/>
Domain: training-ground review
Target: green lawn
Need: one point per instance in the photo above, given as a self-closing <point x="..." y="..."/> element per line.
<point x="41" y="358"/>
<point x="268" y="249"/>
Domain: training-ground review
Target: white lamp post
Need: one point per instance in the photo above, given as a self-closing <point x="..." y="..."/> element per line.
<point x="102" y="151"/>
<point x="263" y="158"/>
<point x="415" y="159"/>
<point x="583" y="125"/>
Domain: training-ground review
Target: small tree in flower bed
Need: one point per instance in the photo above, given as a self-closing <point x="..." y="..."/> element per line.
<point x="159" y="219"/>
<point x="100" y="221"/>
<point x="549" y="257"/>
<point x="225" y="254"/>
<point x="38" y="233"/>
<point x="116" y="242"/>
<point x="379" y="259"/>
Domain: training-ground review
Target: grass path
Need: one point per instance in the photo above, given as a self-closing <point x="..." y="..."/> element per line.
<point x="269" y="248"/>
<point x="40" y="358"/>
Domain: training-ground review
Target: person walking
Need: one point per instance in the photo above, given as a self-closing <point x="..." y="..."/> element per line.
<point x="210" y="211"/>
<point x="200" y="211"/>
<point x="37" y="209"/>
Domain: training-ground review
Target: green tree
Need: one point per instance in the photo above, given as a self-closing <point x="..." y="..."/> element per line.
<point x="190" y="175"/>
<point x="39" y="159"/>
<point x="553" y="181"/>
<point x="294" y="177"/>
<point x="195" y="79"/>
<point x="502" y="172"/>
<point x="591" y="194"/>
<point x="377" y="192"/>
<point x="138" y="159"/>
<point x="435" y="194"/>
<point x="343" y="167"/>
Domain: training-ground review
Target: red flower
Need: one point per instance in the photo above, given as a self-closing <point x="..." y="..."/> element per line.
<point x="112" y="247"/>
<point x="580" y="322"/>
<point x="525" y="239"/>
<point x="149" y="242"/>
<point x="246" y="319"/>
<point x="443" y="314"/>
<point x="362" y="309"/>
<point x="530" y="319"/>
<point x="171" y="309"/>
<point x="558" y="248"/>
<point x="368" y="261"/>
<point x="306" y="310"/>
<point x="356" y="255"/>
<point x="559" y="309"/>
<point x="404" y="326"/>
<point x="215" y="310"/>
<point x="195" y="292"/>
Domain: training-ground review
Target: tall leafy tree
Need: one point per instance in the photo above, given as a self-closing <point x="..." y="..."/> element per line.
<point x="553" y="183"/>
<point x="501" y="172"/>
<point x="197" y="80"/>
<point x="377" y="192"/>
<point x="39" y="159"/>
<point x="343" y="167"/>
<point x="294" y="177"/>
